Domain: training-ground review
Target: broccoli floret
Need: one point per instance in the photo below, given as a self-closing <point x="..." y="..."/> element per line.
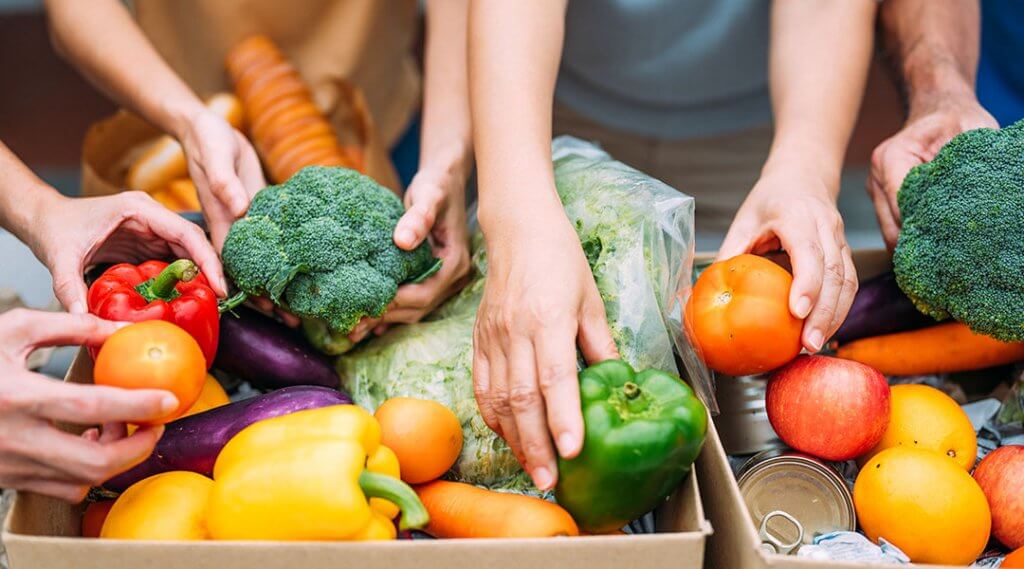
<point x="320" y="244"/>
<point x="960" y="251"/>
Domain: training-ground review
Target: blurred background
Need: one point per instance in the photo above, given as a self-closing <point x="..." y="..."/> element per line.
<point x="46" y="108"/>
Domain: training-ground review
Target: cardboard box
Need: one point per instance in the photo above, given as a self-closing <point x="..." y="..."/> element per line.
<point x="735" y="543"/>
<point x="40" y="533"/>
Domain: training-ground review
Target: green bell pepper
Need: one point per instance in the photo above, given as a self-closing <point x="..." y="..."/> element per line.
<point x="642" y="433"/>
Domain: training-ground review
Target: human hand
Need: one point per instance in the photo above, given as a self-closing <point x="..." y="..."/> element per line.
<point x="435" y="206"/>
<point x="36" y="456"/>
<point x="225" y="169"/>
<point x="924" y="134"/>
<point x="796" y="211"/>
<point x="539" y="302"/>
<point x="70" y="234"/>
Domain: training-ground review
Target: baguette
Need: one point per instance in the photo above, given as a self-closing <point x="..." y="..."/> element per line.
<point x="164" y="161"/>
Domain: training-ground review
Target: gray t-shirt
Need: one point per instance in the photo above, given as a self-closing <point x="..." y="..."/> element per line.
<point x="670" y="69"/>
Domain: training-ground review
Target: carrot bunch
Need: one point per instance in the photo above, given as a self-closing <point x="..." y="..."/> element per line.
<point x="285" y="125"/>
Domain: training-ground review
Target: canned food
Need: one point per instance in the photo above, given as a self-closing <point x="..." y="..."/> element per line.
<point x="742" y="421"/>
<point x="793" y="497"/>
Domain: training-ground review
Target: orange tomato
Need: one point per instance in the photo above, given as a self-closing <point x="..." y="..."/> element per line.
<point x="424" y="435"/>
<point x="1014" y="560"/>
<point x="738" y="316"/>
<point x="923" y="503"/>
<point x="94" y="516"/>
<point x="153" y="355"/>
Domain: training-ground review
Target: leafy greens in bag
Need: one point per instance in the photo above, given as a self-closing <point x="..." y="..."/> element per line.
<point x="637" y="234"/>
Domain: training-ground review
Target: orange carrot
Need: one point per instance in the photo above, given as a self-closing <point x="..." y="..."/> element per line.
<point x="464" y="510"/>
<point x="938" y="349"/>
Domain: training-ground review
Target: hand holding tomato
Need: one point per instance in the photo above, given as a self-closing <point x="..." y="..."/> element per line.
<point x="738" y="316"/>
<point x="153" y="355"/>
<point x="36" y="456"/>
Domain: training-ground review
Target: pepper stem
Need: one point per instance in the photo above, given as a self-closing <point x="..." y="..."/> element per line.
<point x="162" y="286"/>
<point x="631" y="390"/>
<point x="231" y="302"/>
<point x="414" y="513"/>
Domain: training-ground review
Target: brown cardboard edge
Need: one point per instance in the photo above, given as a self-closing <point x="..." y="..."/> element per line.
<point x="736" y="545"/>
<point x="685" y="507"/>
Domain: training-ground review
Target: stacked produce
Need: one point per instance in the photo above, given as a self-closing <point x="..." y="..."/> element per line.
<point x="958" y="259"/>
<point x="289" y="131"/>
<point x="303" y="462"/>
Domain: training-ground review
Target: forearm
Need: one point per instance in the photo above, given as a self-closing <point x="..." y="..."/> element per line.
<point x="514" y="52"/>
<point x="103" y="41"/>
<point x="934" y="46"/>
<point x="820" y="52"/>
<point x="23" y="196"/>
<point x="446" y="142"/>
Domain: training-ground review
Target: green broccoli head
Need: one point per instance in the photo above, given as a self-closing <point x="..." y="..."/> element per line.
<point x="321" y="245"/>
<point x="960" y="252"/>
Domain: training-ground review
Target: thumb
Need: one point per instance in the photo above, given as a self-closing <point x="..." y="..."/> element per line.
<point x="895" y="171"/>
<point x="417" y="221"/>
<point x="595" y="337"/>
<point x="69" y="288"/>
<point x="737" y="241"/>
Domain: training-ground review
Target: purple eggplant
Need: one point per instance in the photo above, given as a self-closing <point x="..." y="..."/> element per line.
<point x="193" y="443"/>
<point x="880" y="307"/>
<point x="268" y="354"/>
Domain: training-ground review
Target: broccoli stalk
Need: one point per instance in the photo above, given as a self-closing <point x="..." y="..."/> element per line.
<point x="320" y="245"/>
<point x="960" y="251"/>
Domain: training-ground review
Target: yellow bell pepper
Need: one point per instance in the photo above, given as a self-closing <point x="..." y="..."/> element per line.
<point x="166" y="506"/>
<point x="305" y="476"/>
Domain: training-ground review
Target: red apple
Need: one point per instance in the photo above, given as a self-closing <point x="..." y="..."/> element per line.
<point x="1001" y="476"/>
<point x="827" y="407"/>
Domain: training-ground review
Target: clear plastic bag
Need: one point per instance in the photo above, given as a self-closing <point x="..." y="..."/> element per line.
<point x="637" y="234"/>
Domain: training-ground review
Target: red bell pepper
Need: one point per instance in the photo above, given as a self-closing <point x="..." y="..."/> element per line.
<point x="155" y="290"/>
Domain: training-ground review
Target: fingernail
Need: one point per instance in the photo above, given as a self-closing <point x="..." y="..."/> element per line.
<point x="566" y="445"/>
<point x="120" y="325"/>
<point x="542" y="478"/>
<point x="816" y="338"/>
<point x="404" y="236"/>
<point x="168" y="403"/>
<point x="803" y="307"/>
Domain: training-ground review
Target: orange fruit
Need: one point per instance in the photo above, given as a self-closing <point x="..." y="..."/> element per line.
<point x="1014" y="560"/>
<point x="924" y="417"/>
<point x="425" y="435"/>
<point x="923" y="503"/>
<point x="153" y="355"/>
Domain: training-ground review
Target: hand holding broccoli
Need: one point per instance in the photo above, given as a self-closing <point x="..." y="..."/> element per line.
<point x="925" y="132"/>
<point x="435" y="207"/>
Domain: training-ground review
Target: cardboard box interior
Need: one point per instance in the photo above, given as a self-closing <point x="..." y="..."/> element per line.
<point x="42" y="532"/>
<point x="735" y="543"/>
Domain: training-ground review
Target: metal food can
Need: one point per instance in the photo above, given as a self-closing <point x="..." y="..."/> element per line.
<point x="742" y="421"/>
<point x="793" y="497"/>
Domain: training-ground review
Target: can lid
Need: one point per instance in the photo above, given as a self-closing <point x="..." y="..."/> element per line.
<point x="802" y="486"/>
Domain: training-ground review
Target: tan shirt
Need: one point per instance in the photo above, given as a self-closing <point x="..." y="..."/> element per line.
<point x="367" y="42"/>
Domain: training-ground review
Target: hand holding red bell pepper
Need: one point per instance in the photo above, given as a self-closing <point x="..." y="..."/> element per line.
<point x="155" y="290"/>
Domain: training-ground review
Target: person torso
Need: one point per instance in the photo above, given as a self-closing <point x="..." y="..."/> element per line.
<point x="668" y="68"/>
<point x="1001" y="70"/>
